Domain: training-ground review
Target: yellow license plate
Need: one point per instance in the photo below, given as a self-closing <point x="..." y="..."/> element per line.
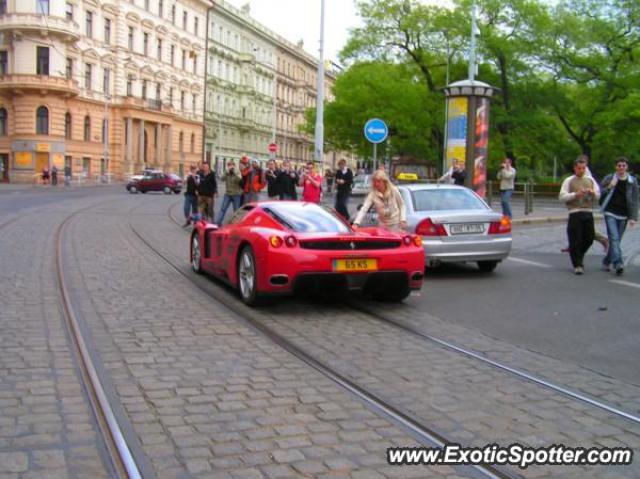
<point x="355" y="264"/>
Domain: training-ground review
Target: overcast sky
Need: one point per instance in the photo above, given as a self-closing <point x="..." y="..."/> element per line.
<point x="300" y="19"/>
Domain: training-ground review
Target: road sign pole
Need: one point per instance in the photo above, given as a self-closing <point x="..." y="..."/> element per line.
<point x="375" y="157"/>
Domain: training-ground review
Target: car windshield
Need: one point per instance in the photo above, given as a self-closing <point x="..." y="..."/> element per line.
<point x="306" y="218"/>
<point x="441" y="199"/>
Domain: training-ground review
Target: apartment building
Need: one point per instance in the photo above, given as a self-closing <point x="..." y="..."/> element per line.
<point x="258" y="87"/>
<point x="103" y="87"/>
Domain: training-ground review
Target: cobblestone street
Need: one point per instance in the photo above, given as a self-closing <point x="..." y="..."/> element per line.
<point x="199" y="392"/>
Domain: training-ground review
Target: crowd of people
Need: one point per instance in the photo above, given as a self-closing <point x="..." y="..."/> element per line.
<point x="244" y="184"/>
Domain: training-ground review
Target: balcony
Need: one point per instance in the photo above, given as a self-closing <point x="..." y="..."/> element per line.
<point x="47" y="25"/>
<point x="42" y="83"/>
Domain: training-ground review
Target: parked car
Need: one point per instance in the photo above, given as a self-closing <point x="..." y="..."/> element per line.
<point x="361" y="185"/>
<point x="456" y="225"/>
<point x="277" y="247"/>
<point x="156" y="181"/>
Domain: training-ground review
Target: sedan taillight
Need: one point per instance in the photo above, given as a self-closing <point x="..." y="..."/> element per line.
<point x="500" y="227"/>
<point x="428" y="228"/>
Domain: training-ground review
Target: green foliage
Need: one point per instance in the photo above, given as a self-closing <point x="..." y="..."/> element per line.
<point x="568" y="76"/>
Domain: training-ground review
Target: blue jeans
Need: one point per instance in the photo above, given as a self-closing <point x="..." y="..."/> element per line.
<point x="236" y="200"/>
<point x="190" y="206"/>
<point x="505" y="197"/>
<point x="615" y="230"/>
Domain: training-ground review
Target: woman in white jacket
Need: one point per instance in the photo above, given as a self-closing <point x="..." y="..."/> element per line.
<point x="388" y="202"/>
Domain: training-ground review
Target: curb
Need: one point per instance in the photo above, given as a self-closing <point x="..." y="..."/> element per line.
<point x="546" y="219"/>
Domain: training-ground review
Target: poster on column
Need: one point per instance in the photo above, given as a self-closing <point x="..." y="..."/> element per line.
<point x="457" y="129"/>
<point x="482" y="141"/>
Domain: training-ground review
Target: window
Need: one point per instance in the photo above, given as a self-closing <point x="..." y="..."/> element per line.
<point x="159" y="49"/>
<point x="4" y="117"/>
<point x="107" y="31"/>
<point x="195" y="25"/>
<point x="171" y="96"/>
<point x="4" y="63"/>
<point x="194" y="100"/>
<point x="185" y="18"/>
<point x="87" y="128"/>
<point x="130" y="38"/>
<point x="173" y="14"/>
<point x="193" y="142"/>
<point x="129" y="84"/>
<point x="42" y="65"/>
<point x="195" y="63"/>
<point x="105" y="130"/>
<point x="182" y="95"/>
<point x="173" y="54"/>
<point x="184" y="59"/>
<point x="146" y="5"/>
<point x="87" y="75"/>
<point x="144" y="89"/>
<point x="67" y="125"/>
<point x="160" y="8"/>
<point x="3" y="7"/>
<point x="181" y="142"/>
<point x="158" y="91"/>
<point x="69" y="11"/>
<point x="106" y="75"/>
<point x="43" y="7"/>
<point x="88" y="24"/>
<point x="145" y="43"/>
<point x="42" y="121"/>
<point x="69" y="68"/>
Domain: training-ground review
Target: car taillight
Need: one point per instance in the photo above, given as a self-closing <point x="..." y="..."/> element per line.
<point x="428" y="228"/>
<point x="275" y="241"/>
<point x="290" y="241"/>
<point x="417" y="240"/>
<point x="500" y="227"/>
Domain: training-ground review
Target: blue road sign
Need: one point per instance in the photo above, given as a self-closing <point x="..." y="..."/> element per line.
<point x="375" y="130"/>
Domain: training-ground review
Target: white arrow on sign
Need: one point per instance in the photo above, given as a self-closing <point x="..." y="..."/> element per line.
<point x="373" y="130"/>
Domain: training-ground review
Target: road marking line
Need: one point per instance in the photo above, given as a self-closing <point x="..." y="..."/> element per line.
<point x="531" y="263"/>
<point x="624" y="283"/>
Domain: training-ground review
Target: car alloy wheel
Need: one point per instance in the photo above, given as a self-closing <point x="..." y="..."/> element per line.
<point x="133" y="190"/>
<point x="247" y="276"/>
<point x="167" y="190"/>
<point x="196" y="255"/>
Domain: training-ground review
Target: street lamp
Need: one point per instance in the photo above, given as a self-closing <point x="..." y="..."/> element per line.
<point x="319" y="132"/>
<point x="446" y="106"/>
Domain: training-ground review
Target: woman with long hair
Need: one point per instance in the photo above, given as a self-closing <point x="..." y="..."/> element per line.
<point x="388" y="202"/>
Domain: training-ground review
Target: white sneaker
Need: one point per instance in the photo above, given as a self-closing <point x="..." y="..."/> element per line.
<point x="578" y="270"/>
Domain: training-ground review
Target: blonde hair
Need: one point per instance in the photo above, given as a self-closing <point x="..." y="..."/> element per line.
<point x="381" y="175"/>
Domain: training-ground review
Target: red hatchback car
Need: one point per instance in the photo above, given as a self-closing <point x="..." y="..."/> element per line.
<point x="156" y="181"/>
<point x="277" y="247"/>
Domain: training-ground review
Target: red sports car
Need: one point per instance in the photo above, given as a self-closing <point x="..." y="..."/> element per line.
<point x="277" y="247"/>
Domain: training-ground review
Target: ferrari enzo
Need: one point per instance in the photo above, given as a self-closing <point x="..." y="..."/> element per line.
<point x="280" y="247"/>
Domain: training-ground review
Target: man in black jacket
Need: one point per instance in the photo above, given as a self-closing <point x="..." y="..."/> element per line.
<point x="287" y="181"/>
<point x="207" y="189"/>
<point x="344" y="180"/>
<point x="271" y="177"/>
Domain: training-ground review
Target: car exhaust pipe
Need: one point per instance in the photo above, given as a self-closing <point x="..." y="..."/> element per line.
<point x="417" y="276"/>
<point x="279" y="279"/>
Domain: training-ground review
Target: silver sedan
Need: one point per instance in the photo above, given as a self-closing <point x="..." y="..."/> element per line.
<point x="456" y="225"/>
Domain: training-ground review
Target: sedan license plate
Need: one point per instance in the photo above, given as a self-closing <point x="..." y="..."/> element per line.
<point x="355" y="265"/>
<point x="466" y="229"/>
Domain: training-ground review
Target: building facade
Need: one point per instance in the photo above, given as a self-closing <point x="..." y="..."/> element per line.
<point x="258" y="88"/>
<point x="101" y="86"/>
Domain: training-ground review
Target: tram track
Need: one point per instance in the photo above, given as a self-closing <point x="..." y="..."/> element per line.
<point x="470" y="353"/>
<point x="426" y="435"/>
<point x="122" y="460"/>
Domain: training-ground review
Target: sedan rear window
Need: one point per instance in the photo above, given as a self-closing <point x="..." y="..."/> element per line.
<point x="442" y="199"/>
<point x="306" y="218"/>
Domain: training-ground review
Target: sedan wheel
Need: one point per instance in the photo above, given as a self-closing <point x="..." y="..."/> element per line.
<point x="247" y="278"/>
<point x="133" y="190"/>
<point x="196" y="256"/>
<point x="167" y="190"/>
<point x="487" y="266"/>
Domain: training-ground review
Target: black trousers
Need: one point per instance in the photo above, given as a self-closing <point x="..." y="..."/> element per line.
<point x="341" y="204"/>
<point x="581" y="233"/>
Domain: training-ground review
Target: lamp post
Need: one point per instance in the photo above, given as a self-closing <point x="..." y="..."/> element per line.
<point x="319" y="131"/>
<point x="446" y="107"/>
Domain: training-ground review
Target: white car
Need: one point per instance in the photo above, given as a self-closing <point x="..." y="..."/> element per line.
<point x="361" y="185"/>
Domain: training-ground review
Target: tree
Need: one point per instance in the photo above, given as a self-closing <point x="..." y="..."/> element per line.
<point x="389" y="91"/>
